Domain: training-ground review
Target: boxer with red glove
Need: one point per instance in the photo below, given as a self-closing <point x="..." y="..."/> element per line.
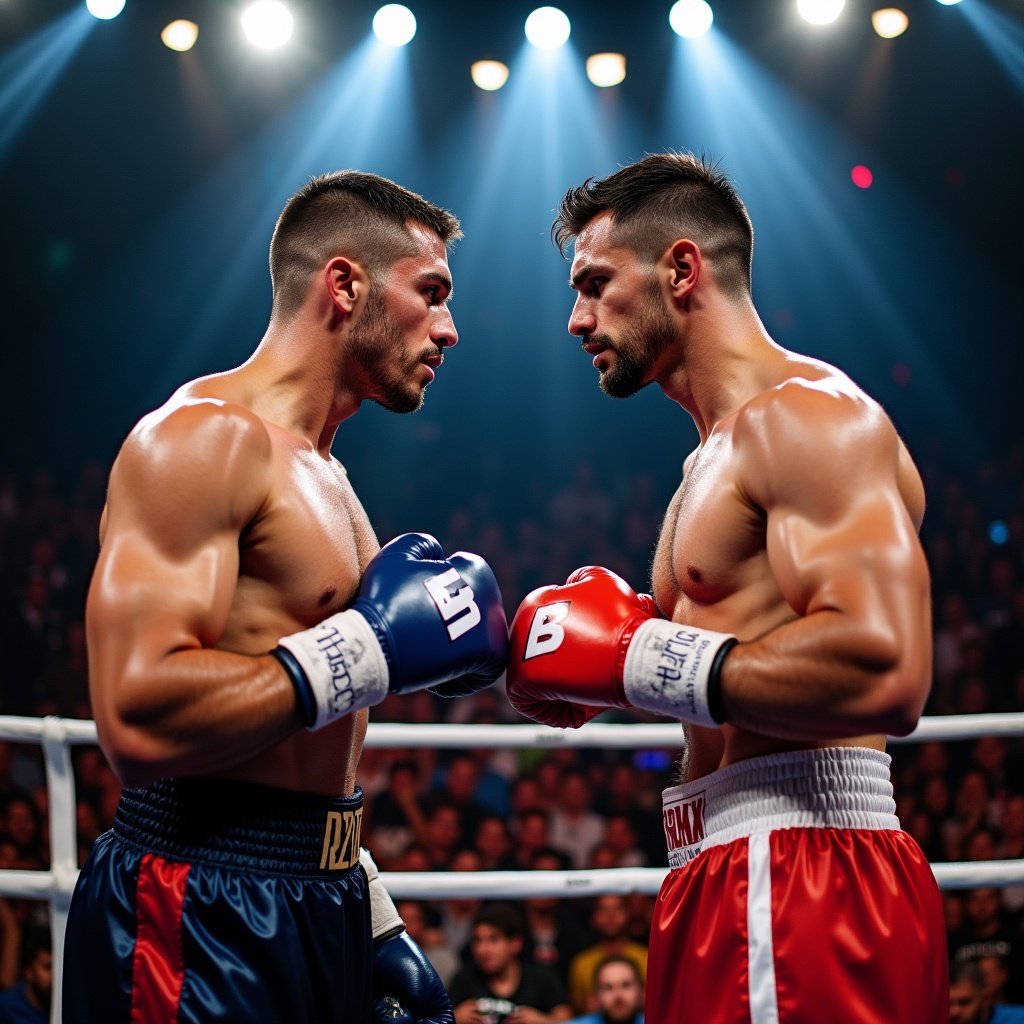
<point x="594" y="643"/>
<point x="421" y="620"/>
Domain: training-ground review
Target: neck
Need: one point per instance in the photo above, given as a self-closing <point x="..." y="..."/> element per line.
<point x="725" y="358"/>
<point x="297" y="382"/>
<point x="507" y="979"/>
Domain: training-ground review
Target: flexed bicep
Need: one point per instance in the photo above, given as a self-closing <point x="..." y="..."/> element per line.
<point x="842" y="547"/>
<point x="181" y="491"/>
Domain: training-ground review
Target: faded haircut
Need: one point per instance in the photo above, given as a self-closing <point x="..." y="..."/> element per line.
<point x="661" y="198"/>
<point x="347" y="213"/>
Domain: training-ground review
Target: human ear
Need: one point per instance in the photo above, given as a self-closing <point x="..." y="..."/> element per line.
<point x="346" y="282"/>
<point x="685" y="262"/>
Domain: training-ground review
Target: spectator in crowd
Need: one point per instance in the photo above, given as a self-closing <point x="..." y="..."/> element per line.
<point x="618" y="993"/>
<point x="28" y="1002"/>
<point x="973" y="806"/>
<point x="497" y="987"/>
<point x="458" y="789"/>
<point x="995" y="975"/>
<point x="553" y="932"/>
<point x="494" y="844"/>
<point x="621" y="835"/>
<point x="1011" y="847"/>
<point x="531" y="831"/>
<point x="609" y="922"/>
<point x="987" y="931"/>
<point x="457" y="914"/>
<point x="969" y="1003"/>
<point x="395" y="817"/>
<point x="23" y="825"/>
<point x="575" y="828"/>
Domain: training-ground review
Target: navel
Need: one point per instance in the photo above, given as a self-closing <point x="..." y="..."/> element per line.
<point x="694" y="573"/>
<point x="327" y="596"/>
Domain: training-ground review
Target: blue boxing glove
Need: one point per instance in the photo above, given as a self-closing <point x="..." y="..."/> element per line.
<point x="405" y="980"/>
<point x="406" y="988"/>
<point x="420" y="621"/>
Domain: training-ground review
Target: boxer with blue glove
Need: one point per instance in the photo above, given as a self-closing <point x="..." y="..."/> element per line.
<point x="241" y="619"/>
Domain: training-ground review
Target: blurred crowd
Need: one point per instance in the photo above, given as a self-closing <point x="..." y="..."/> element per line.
<point x="496" y="809"/>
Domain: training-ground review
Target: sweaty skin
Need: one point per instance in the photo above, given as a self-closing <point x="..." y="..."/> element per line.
<point x="775" y="533"/>
<point x="795" y="526"/>
<point x="228" y="525"/>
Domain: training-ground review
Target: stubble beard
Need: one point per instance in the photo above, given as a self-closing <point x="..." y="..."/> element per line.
<point x="639" y="347"/>
<point x="379" y="346"/>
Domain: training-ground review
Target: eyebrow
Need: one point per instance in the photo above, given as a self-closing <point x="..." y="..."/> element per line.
<point x="442" y="279"/>
<point x="580" y="276"/>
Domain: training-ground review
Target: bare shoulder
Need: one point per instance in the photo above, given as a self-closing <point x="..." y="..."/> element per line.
<point x="822" y="428"/>
<point x="802" y="405"/>
<point x="189" y="453"/>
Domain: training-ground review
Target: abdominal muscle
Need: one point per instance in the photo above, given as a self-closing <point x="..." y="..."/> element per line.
<point x="323" y="762"/>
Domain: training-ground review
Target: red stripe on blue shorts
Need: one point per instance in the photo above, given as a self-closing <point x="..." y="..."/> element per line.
<point x="158" y="966"/>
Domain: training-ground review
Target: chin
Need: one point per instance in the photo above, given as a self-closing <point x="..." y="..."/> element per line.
<point x="402" y="401"/>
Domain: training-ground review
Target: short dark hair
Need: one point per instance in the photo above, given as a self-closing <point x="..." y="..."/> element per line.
<point x="36" y="939"/>
<point x="505" y="917"/>
<point x="351" y="213"/>
<point x="660" y="198"/>
<point x="966" y="971"/>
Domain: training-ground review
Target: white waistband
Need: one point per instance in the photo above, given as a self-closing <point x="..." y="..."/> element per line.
<point x="827" y="787"/>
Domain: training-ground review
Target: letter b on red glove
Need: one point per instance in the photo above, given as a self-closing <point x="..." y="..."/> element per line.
<point x="568" y="645"/>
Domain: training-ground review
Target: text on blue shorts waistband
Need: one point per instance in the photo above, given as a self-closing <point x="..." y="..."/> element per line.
<point x="243" y="826"/>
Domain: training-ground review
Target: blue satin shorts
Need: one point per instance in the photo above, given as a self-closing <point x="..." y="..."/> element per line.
<point x="211" y="900"/>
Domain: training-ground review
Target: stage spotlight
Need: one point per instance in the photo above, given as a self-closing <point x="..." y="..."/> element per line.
<point x="394" y="25"/>
<point x="180" y="35"/>
<point x="606" y="69"/>
<point x="690" y="18"/>
<point x="489" y="75"/>
<point x="267" y="24"/>
<point x="890" y="22"/>
<point x="861" y="176"/>
<point x="820" y="12"/>
<point x="547" y="28"/>
<point x="104" y="9"/>
<point x="948" y="3"/>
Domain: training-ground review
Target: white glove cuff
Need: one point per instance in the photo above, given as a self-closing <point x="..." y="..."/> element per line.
<point x="384" y="917"/>
<point x="343" y="663"/>
<point x="672" y="669"/>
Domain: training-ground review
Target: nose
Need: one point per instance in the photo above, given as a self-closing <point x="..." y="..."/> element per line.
<point x="442" y="330"/>
<point x="581" y="321"/>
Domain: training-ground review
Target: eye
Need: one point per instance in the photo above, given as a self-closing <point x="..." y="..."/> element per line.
<point x="595" y="286"/>
<point x="436" y="295"/>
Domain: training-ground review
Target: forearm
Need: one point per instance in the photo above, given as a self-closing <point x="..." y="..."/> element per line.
<point x="194" y="711"/>
<point x="824" y="676"/>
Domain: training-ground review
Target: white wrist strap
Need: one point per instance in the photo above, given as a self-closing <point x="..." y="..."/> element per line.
<point x="343" y="663"/>
<point x="384" y="917"/>
<point x="668" y="669"/>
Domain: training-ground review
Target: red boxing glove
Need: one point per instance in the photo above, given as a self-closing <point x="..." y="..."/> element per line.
<point x="595" y="643"/>
<point x="568" y="645"/>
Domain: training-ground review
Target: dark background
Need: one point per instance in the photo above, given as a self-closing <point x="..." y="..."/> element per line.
<point x="141" y="187"/>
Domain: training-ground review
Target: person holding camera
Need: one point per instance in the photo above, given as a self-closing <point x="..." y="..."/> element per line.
<point x="497" y="987"/>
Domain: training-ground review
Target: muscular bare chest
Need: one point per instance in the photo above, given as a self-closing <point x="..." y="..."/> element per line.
<point x="301" y="559"/>
<point x="711" y="552"/>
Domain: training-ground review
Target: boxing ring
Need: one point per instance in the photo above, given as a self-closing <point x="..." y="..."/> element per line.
<point x="56" y="736"/>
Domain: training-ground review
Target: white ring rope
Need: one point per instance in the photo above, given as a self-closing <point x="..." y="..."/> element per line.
<point x="57" y="735"/>
<point x="608" y="736"/>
